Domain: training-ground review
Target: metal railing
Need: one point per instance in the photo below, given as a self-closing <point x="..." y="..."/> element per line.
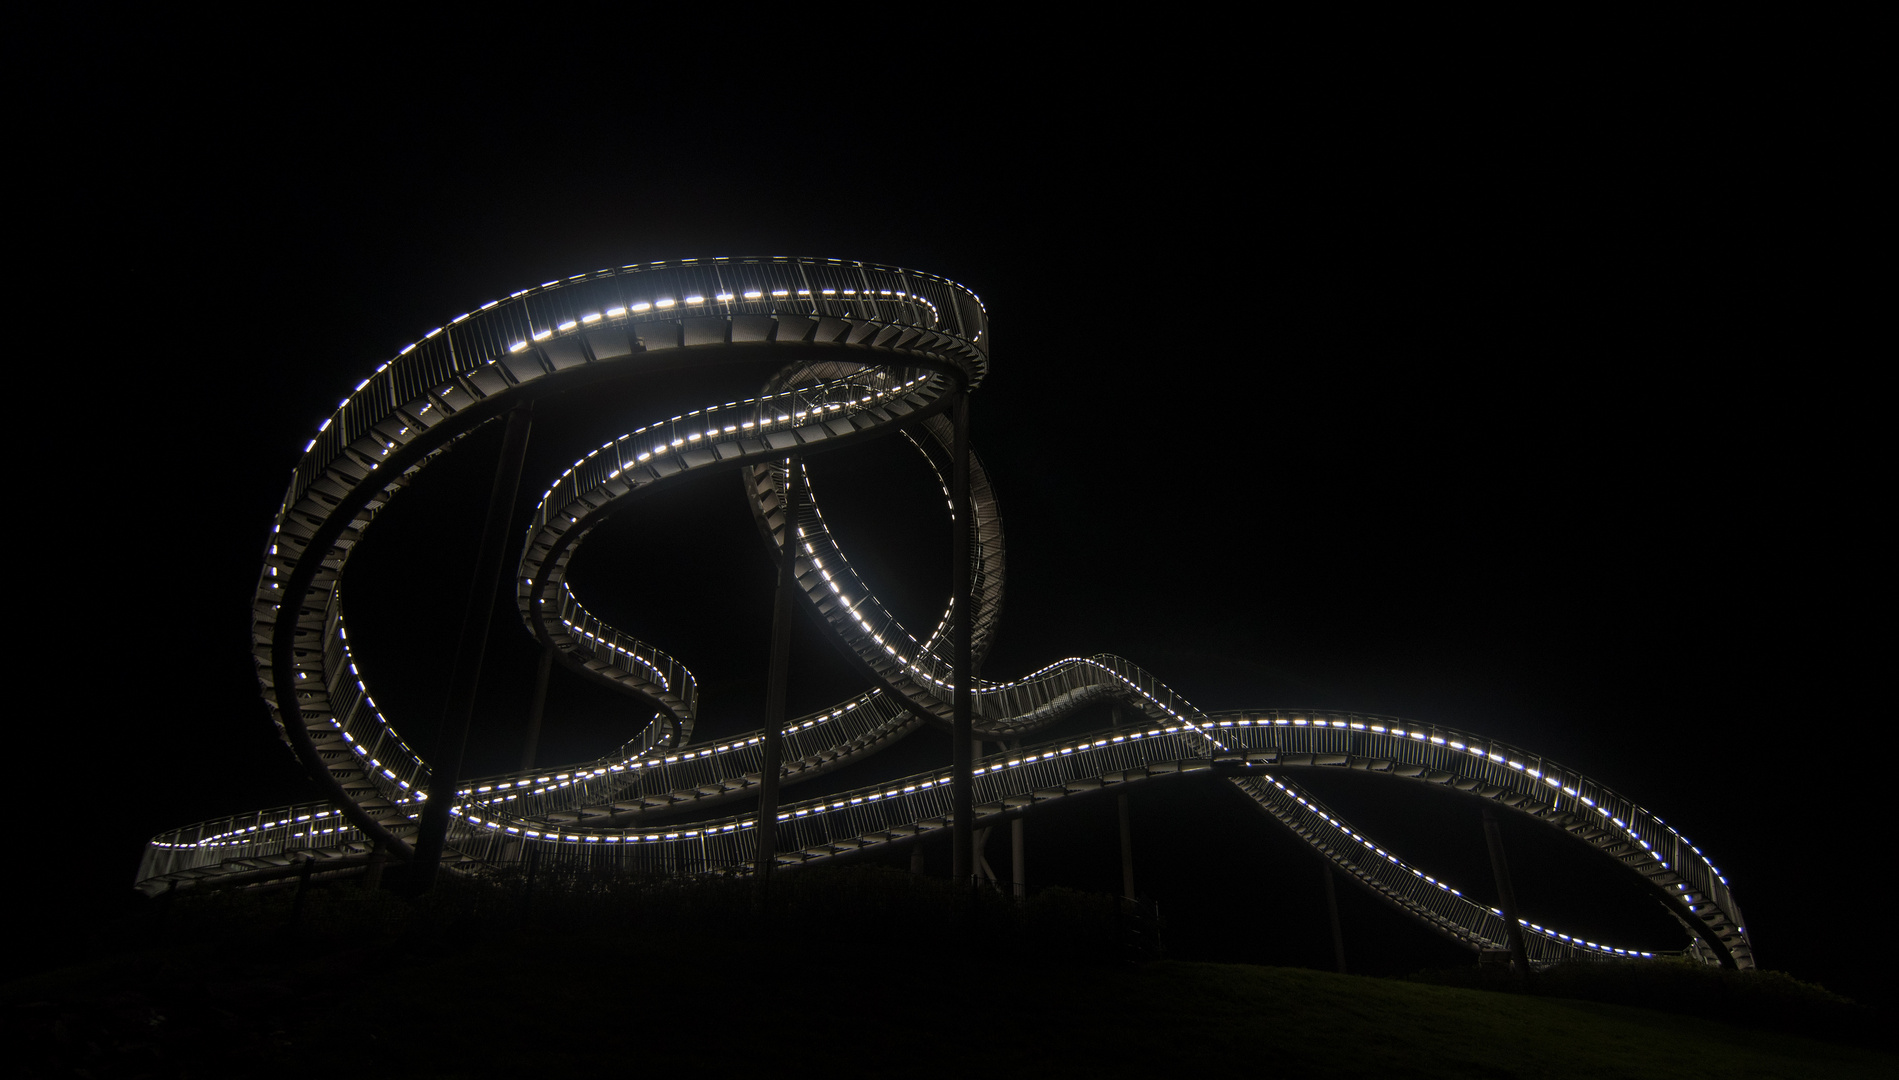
<point x="900" y="344"/>
<point x="610" y="322"/>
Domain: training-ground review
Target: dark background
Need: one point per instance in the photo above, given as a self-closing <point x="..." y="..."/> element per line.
<point x="1516" y="401"/>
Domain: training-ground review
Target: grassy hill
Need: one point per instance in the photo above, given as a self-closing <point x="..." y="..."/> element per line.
<point x="873" y="978"/>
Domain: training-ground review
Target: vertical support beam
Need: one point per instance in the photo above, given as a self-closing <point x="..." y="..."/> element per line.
<point x="163" y="907"/>
<point x="1507" y="899"/>
<point x="1115" y="720"/>
<point x="1018" y="860"/>
<point x="531" y="746"/>
<point x="452" y="737"/>
<point x="962" y="785"/>
<point x="1127" y="846"/>
<point x="527" y="887"/>
<point x="303" y="890"/>
<point x="1332" y="905"/>
<point x="765" y="851"/>
<point x="1018" y="857"/>
<point x="372" y="874"/>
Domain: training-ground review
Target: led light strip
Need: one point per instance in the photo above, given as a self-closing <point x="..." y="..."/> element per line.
<point x="858" y="396"/>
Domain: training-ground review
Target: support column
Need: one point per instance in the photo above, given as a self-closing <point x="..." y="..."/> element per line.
<point x="1018" y="858"/>
<point x="962" y="784"/>
<point x="1121" y="813"/>
<point x="1332" y="906"/>
<point x="452" y="737"/>
<point x="1507" y="899"/>
<point x="531" y="745"/>
<point x="979" y="847"/>
<point x="303" y="890"/>
<point x="372" y="874"/>
<point x="765" y="852"/>
<point x="511" y="850"/>
<point x="1127" y="846"/>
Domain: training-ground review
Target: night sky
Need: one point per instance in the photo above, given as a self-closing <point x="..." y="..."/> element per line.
<point x="1509" y="408"/>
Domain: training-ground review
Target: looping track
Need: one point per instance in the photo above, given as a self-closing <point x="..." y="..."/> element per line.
<point x="866" y="350"/>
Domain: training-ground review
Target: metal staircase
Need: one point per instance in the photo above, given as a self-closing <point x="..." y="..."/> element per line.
<point x="866" y="351"/>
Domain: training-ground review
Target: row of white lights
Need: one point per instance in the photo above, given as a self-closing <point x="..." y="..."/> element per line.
<point x="620" y="312"/>
<point x="1346" y="829"/>
<point x="937" y="780"/>
<point x="712" y="429"/>
<point x="553" y="781"/>
<point x="944" y="685"/>
<point x="568" y="478"/>
<point x="249" y="835"/>
<point x="565" y="779"/>
<point x="664" y="303"/>
<point x="1455" y="744"/>
<point x="752" y="295"/>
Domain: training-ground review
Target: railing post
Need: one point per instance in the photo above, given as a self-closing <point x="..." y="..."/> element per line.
<point x="765" y="849"/>
<point x="452" y="737"/>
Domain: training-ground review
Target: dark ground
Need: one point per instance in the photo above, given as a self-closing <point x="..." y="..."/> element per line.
<point x="685" y="980"/>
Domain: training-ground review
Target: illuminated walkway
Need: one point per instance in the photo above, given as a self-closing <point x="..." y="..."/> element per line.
<point x="866" y="351"/>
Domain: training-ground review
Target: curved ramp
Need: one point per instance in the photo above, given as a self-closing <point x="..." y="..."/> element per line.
<point x="866" y="351"/>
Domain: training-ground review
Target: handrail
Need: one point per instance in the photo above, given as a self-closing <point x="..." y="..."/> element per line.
<point x="869" y="350"/>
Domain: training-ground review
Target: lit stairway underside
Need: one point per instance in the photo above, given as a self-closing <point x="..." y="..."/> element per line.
<point x="866" y="351"/>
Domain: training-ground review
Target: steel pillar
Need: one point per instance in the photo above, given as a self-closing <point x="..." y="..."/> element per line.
<point x="1332" y="906"/>
<point x="1121" y="815"/>
<point x="1018" y="860"/>
<point x="531" y="745"/>
<point x="1127" y="846"/>
<point x="962" y="784"/>
<point x="765" y="853"/>
<point x="303" y="889"/>
<point x="1507" y="899"/>
<point x="1018" y="857"/>
<point x="372" y="875"/>
<point x="452" y="737"/>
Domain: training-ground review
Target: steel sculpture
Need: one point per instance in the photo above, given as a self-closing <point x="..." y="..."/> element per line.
<point x="866" y="350"/>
